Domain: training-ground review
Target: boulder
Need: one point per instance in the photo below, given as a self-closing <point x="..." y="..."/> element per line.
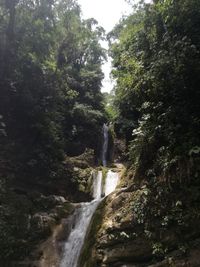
<point x="42" y="223"/>
<point x="138" y="250"/>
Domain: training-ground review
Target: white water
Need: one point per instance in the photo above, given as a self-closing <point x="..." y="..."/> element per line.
<point x="105" y="144"/>
<point x="97" y="185"/>
<point x="82" y="218"/>
<point x="75" y="240"/>
<point x="111" y="182"/>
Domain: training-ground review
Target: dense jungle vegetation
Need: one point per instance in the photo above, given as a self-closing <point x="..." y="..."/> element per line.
<point x="51" y="108"/>
<point x="154" y="220"/>
<point x="156" y="64"/>
<point x="50" y="103"/>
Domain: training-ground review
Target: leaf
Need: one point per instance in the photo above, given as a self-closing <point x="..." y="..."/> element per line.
<point x="194" y="150"/>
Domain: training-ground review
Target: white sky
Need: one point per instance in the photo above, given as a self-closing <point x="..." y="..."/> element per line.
<point x="107" y="13"/>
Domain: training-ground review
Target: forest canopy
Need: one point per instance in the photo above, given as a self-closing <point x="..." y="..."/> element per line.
<point x="51" y="115"/>
<point x="156" y="64"/>
<point x="50" y="79"/>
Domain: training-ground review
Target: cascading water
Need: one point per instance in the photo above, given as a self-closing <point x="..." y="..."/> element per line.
<point x="97" y="185"/>
<point x="82" y="218"/>
<point x="105" y="145"/>
<point x="111" y="182"/>
<point x="75" y="240"/>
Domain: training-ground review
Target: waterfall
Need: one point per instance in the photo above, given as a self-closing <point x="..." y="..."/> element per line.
<point x="105" y="145"/>
<point x="97" y="185"/>
<point x="75" y="240"/>
<point x="82" y="218"/>
<point x="111" y="182"/>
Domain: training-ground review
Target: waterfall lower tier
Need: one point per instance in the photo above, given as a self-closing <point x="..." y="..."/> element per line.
<point x="82" y="217"/>
<point x="75" y="240"/>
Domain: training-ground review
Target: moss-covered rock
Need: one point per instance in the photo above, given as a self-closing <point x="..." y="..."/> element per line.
<point x="137" y="228"/>
<point x="84" y="178"/>
<point x="25" y="221"/>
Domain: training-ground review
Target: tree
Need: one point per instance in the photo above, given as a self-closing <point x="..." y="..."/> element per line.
<point x="50" y="68"/>
<point x="156" y="61"/>
<point x="50" y="106"/>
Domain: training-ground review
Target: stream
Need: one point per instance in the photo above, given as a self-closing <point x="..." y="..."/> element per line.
<point x="82" y="217"/>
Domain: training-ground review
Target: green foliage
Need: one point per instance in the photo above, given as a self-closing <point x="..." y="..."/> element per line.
<point x="50" y="99"/>
<point x="167" y="219"/>
<point x="50" y="82"/>
<point x="111" y="112"/>
<point x="156" y="63"/>
<point x="14" y="226"/>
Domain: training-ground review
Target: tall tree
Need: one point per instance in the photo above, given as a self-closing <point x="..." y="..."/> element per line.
<point x="156" y="63"/>
<point x="50" y="82"/>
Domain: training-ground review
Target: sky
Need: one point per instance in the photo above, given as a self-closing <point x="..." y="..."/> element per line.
<point x="107" y="13"/>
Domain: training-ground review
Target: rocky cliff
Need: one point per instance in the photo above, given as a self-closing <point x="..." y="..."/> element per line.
<point x="144" y="225"/>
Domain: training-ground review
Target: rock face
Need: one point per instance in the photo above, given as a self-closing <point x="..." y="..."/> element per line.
<point x="45" y="231"/>
<point x="42" y="223"/>
<point x="120" y="238"/>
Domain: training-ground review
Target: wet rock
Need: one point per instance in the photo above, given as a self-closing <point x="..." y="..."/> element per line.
<point x="46" y="202"/>
<point x="118" y="239"/>
<point x="83" y="161"/>
<point x="42" y="223"/>
<point x="138" y="250"/>
<point x="52" y="200"/>
<point x="117" y="202"/>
